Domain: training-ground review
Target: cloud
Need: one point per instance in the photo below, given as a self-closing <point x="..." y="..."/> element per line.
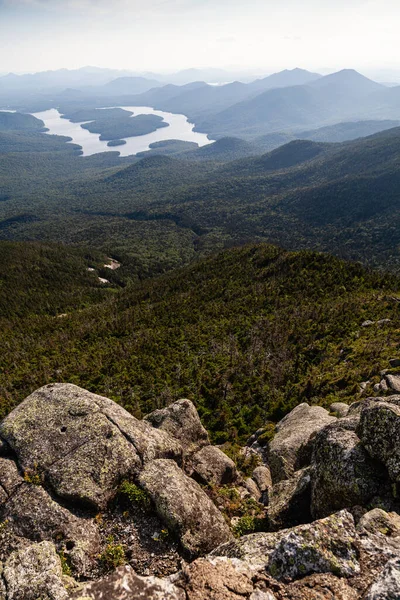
<point x="105" y="6"/>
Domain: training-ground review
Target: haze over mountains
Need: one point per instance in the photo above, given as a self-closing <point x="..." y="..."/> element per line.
<point x="290" y="101"/>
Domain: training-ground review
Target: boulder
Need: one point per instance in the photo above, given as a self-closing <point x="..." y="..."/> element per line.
<point x="262" y="477"/>
<point x="181" y="421"/>
<point x="253" y="489"/>
<point x="220" y="578"/>
<point x="357" y="407"/>
<point x="387" y="586"/>
<point x="212" y="466"/>
<point x="81" y="443"/>
<point x="393" y="382"/>
<point x="184" y="507"/>
<point x="291" y="447"/>
<point x="325" y="546"/>
<point x="377" y="521"/>
<point x="125" y="584"/>
<point x="394" y="362"/>
<point x="31" y="513"/>
<point x="379" y="431"/>
<point x="33" y="573"/>
<point x="343" y="474"/>
<point x="289" y="501"/>
<point x="383" y="385"/>
<point x="340" y="409"/>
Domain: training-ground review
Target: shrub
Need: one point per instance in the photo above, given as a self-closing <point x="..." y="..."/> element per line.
<point x="135" y="494"/>
<point x="267" y="435"/>
<point x="66" y="568"/>
<point x="244" y="463"/>
<point x="245" y="525"/>
<point x="113" y="555"/>
<point x="33" y="476"/>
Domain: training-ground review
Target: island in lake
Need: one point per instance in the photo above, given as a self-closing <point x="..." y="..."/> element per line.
<point x="114" y="124"/>
<point x="113" y="143"/>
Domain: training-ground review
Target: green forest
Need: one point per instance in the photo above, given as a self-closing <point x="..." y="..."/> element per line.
<point x="246" y="334"/>
<point x="162" y="211"/>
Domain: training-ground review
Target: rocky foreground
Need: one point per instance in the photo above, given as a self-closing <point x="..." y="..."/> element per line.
<point x="96" y="504"/>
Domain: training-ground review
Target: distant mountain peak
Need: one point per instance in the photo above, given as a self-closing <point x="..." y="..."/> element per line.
<point x="286" y="78"/>
<point x="347" y="76"/>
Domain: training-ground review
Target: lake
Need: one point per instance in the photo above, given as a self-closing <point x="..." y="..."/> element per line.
<point x="179" y="129"/>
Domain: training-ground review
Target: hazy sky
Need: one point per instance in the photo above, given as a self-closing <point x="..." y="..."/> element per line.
<point x="176" y="34"/>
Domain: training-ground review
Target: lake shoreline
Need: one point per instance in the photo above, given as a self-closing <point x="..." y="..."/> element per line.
<point x="179" y="128"/>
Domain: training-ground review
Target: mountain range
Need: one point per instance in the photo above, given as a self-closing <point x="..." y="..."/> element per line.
<point x="288" y="102"/>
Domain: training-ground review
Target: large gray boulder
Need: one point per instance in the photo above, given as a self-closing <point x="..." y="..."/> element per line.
<point x="125" y="584"/>
<point x="379" y="431"/>
<point x="32" y="514"/>
<point x="34" y="573"/>
<point x="325" y="546"/>
<point x="291" y="447"/>
<point x="343" y="474"/>
<point x="82" y="444"/>
<point x="184" y="507"/>
<point x="212" y="466"/>
<point x="181" y="421"/>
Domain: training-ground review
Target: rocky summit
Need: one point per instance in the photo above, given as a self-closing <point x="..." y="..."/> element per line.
<point x="96" y="504"/>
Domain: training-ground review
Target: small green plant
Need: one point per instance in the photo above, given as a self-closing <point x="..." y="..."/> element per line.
<point x="249" y="524"/>
<point x="66" y="568"/>
<point x="113" y="555"/>
<point x="250" y="506"/>
<point x="163" y="536"/>
<point x="135" y="494"/>
<point x="267" y="435"/>
<point x="3" y="525"/>
<point x="246" y="463"/>
<point x="33" y="476"/>
<point x="245" y="525"/>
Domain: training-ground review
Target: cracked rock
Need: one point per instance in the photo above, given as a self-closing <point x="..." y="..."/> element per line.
<point x="81" y="443"/>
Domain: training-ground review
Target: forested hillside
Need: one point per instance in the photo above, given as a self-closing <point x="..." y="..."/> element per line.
<point x="247" y="334"/>
<point x="48" y="279"/>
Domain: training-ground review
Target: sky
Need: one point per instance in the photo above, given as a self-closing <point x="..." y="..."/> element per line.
<point x="169" y="35"/>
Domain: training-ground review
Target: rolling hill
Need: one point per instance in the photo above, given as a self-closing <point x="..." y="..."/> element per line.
<point x="10" y="121"/>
